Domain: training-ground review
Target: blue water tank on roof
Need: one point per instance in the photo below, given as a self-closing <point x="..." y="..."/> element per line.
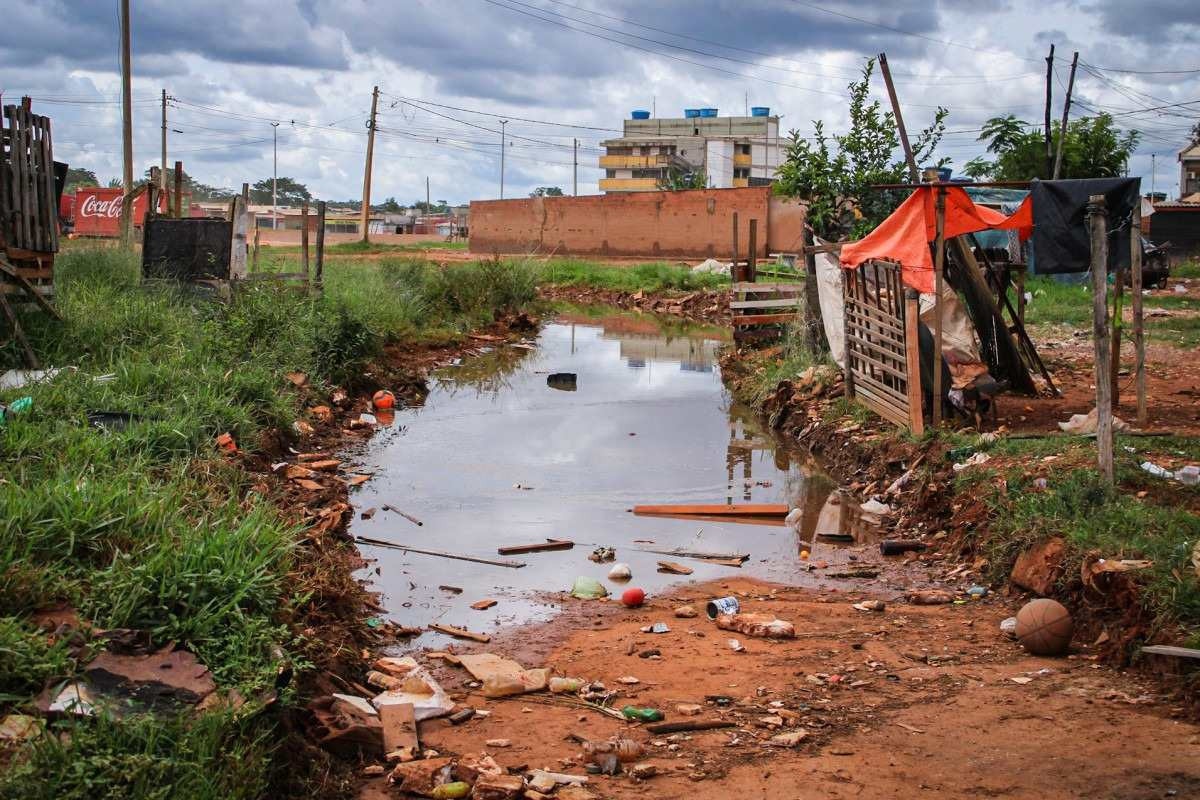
<point x="639" y="114"/>
<point x="760" y="111"/>
<point x="691" y="113"/>
<point x="708" y="112"/>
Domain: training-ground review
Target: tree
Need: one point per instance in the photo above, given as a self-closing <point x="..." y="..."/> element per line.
<point x="421" y="207"/>
<point x="390" y="206"/>
<point x="677" y="179"/>
<point x="199" y="192"/>
<point x="116" y="183"/>
<point x="546" y="191"/>
<point x="289" y="192"/>
<point x="78" y="178"/>
<point x="1094" y="148"/>
<point x="834" y="174"/>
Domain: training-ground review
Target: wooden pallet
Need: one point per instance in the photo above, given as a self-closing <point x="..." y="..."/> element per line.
<point x="28" y="201"/>
<point x="752" y="303"/>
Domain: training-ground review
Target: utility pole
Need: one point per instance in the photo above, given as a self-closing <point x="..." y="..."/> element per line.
<point x="913" y="173"/>
<point x="1154" y="177"/>
<point x="274" y="174"/>
<point x="126" y="130"/>
<point x="1062" y="130"/>
<point x="162" y="170"/>
<point x="366" y="198"/>
<point x="575" y="167"/>
<point x="503" y="122"/>
<point x="1049" y="144"/>
<point x="428" y="207"/>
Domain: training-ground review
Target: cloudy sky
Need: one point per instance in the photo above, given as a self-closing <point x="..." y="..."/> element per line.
<point x="450" y="70"/>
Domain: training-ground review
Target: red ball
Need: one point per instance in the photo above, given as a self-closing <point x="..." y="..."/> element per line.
<point x="633" y="597"/>
<point x="384" y="399"/>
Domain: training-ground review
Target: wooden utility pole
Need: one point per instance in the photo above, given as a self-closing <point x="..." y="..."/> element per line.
<point x="126" y="130"/>
<point x="503" y="124"/>
<point x="1062" y="129"/>
<point x="939" y="263"/>
<point x="162" y="174"/>
<point x="575" y="167"/>
<point x="319" y="266"/>
<point x="178" y="190"/>
<point x="913" y="173"/>
<point x="1049" y="143"/>
<point x="1098" y="221"/>
<point x="428" y="207"/>
<point x="365" y="216"/>
<point x="1139" y="333"/>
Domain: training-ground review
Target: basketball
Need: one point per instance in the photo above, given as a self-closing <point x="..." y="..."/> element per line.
<point x="1044" y="627"/>
<point x="633" y="597"/>
<point x="383" y="399"/>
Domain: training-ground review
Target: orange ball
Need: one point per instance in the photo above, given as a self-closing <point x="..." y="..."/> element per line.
<point x="384" y="399"/>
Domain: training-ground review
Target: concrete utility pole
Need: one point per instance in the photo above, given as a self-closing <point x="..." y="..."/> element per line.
<point x="126" y="129"/>
<point x="1049" y="143"/>
<point x="575" y="167"/>
<point x="503" y="122"/>
<point x="366" y="198"/>
<point x="162" y="170"/>
<point x="1062" y="130"/>
<point x="274" y="174"/>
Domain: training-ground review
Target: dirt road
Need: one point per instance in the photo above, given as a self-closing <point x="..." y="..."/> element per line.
<point x="928" y="701"/>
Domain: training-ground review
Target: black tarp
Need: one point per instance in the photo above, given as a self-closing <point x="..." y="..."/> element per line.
<point x="1061" y="237"/>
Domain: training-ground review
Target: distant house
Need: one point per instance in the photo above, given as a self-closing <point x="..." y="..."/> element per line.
<point x="1189" y="172"/>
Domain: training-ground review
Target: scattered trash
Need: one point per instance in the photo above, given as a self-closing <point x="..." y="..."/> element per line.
<point x="1009" y="627"/>
<point x="672" y="568"/>
<point x="1044" y="627"/>
<point x="929" y="597"/>
<point x="588" y="589"/>
<point x="620" y="572"/>
<point x="721" y="605"/>
<point x="633" y="597"/>
<point x="765" y="626"/>
<point x="871" y="605"/>
<point x="874" y="508"/>
<point x="1084" y="424"/>
<point x="227" y="444"/>
<point x="973" y="461"/>
<point x="18" y="406"/>
<point x="658" y="627"/>
<point x="503" y="677"/>
<point x="1157" y="471"/>
<point x="1189" y="475"/>
<point x="643" y="772"/>
<point x="449" y="791"/>
<point x="461" y="716"/>
<point x="641" y="714"/>
<point x="565" y="685"/>
<point x="19" y="727"/>
<point x="651" y="653"/>
<point x="602" y="554"/>
<point x="18" y="378"/>
<point x="459" y="633"/>
<point x="895" y="547"/>
<point x="711" y="266"/>
<point x="383" y="399"/>
<point x="399" y="723"/>
<point x="498" y="787"/>
<point x="75" y="699"/>
<point x="499" y="743"/>
<point x="563" y="381"/>
<point x="418" y="689"/>
<point x="151" y="680"/>
<point x="793" y="518"/>
<point x="977" y="592"/>
<point x="686" y="612"/>
<point x="451" y="589"/>
<point x="107" y="421"/>
<point x="423" y="776"/>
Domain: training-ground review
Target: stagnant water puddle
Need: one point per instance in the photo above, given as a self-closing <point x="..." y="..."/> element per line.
<point x="508" y="450"/>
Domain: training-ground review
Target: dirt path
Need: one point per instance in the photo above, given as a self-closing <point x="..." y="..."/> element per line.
<point x="913" y="700"/>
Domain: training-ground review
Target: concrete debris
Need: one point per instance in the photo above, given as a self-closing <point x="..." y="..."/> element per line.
<point x="761" y="625"/>
<point x="421" y="777"/>
<point x="167" y="676"/>
<point x="498" y="787"/>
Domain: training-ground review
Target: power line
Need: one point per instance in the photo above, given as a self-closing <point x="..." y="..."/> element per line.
<point x="414" y="100"/>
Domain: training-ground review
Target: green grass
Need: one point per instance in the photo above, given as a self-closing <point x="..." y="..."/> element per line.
<point x="149" y="527"/>
<point x="1188" y="269"/>
<point x="654" y="277"/>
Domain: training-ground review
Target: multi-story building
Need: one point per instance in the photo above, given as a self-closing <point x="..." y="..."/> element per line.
<point x="1189" y="171"/>
<point x="728" y="151"/>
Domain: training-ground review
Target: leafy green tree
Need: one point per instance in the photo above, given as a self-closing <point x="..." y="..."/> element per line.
<point x="1094" y="148"/>
<point x="546" y="191"/>
<point x="289" y="192"/>
<point x="833" y="174"/>
<point x="421" y="207"/>
<point x="677" y="179"/>
<point x="78" y="178"/>
<point x="390" y="206"/>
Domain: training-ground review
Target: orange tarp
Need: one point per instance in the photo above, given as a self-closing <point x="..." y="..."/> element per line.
<point x="904" y="236"/>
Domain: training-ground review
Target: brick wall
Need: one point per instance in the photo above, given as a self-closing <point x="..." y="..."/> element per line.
<point x="687" y="224"/>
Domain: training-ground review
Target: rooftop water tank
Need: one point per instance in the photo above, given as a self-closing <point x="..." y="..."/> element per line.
<point x="708" y="112"/>
<point x="639" y="114"/>
<point x="691" y="113"/>
<point x="760" y="111"/>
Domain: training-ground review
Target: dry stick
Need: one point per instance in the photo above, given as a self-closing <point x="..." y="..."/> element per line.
<point x="1117" y="325"/>
<point x="455" y="556"/>
<point x="30" y="357"/>
<point x="913" y="173"/>
<point x="1099" y="245"/>
<point x="408" y="517"/>
<point x="1139" y="333"/>
<point x="698" y="725"/>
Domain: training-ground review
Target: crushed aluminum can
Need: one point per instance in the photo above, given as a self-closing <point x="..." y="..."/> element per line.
<point x="722" y="605"/>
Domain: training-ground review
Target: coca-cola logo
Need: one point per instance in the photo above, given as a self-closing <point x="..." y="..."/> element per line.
<point x="93" y="206"/>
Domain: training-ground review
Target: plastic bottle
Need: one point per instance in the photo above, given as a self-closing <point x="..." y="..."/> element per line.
<point x="626" y="750"/>
<point x="502" y="686"/>
<point x="565" y="685"/>
<point x="642" y="714"/>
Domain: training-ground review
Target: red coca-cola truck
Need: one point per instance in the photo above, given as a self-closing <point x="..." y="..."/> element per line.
<point x="96" y="211"/>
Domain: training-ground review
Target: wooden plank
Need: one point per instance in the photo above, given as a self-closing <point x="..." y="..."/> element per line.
<point x="783" y="303"/>
<point x="51" y="195"/>
<point x="439" y="554"/>
<point x="1169" y="650"/>
<point x="742" y="509"/>
<point x="536" y="547"/>
<point x="745" y="286"/>
<point x="885" y="410"/>
<point x="890" y="394"/>
<point x="459" y="633"/>
<point x="399" y="724"/>
<point x="277" y="276"/>
<point x="762" y="319"/>
<point x="1097" y="215"/>
<point x="912" y="349"/>
<point x="1139" y="330"/>
<point x="18" y="156"/>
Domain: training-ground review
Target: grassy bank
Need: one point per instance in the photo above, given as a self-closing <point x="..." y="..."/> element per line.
<point x="650" y="277"/>
<point x="150" y="528"/>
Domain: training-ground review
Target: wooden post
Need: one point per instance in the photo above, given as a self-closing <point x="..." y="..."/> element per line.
<point x="1117" y="324"/>
<point x="814" y="327"/>
<point x="752" y="254"/>
<point x="126" y="131"/>
<point x="912" y="354"/>
<point x="847" y="371"/>
<point x="254" y="256"/>
<point x="320" y="260"/>
<point x="913" y="173"/>
<point x="1139" y="332"/>
<point x="939" y="261"/>
<point x="1021" y="294"/>
<point x="178" y="190"/>
<point x="736" y="271"/>
<point x="1104" y="426"/>
<point x="1049" y="146"/>
<point x="152" y="193"/>
<point x="1062" y="131"/>
<point x="238" y="245"/>
<point x="304" y="239"/>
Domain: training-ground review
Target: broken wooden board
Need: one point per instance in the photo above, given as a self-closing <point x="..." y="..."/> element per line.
<point x="673" y="568"/>
<point x="439" y="554"/>
<point x="461" y="633"/>
<point x="536" y="547"/>
<point x="728" y="559"/>
<point x="1169" y="650"/>
<point x="483" y="605"/>
<point x="399" y="727"/>
<point x="489" y="665"/>
<point x="728" y="519"/>
<point x="742" y="510"/>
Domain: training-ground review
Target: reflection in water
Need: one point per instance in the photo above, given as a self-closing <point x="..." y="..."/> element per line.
<point x="662" y="432"/>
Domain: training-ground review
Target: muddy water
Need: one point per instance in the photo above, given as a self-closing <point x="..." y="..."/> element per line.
<point x="507" y="450"/>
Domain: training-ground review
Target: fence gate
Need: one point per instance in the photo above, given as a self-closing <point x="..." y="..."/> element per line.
<point x="883" y="370"/>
